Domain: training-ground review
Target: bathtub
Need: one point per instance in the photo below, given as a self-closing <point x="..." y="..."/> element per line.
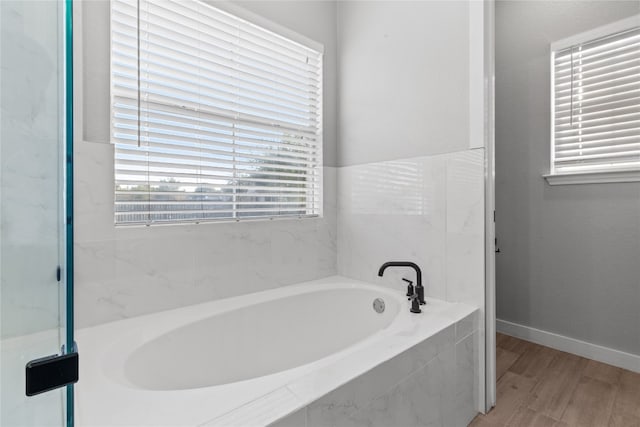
<point x="247" y="360"/>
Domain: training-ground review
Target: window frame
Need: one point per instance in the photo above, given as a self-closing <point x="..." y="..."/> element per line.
<point x="279" y="31"/>
<point x="606" y="174"/>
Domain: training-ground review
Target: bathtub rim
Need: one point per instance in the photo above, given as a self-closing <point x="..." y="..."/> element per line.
<point x="293" y="391"/>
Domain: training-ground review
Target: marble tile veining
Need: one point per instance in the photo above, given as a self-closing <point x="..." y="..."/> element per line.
<point x="429" y="210"/>
<point x="124" y="272"/>
<point x="437" y="391"/>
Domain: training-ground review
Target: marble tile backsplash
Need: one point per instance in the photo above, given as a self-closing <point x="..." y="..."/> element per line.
<point x="429" y="210"/>
<point x="129" y="271"/>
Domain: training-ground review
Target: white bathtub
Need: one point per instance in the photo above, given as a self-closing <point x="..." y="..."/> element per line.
<point x="255" y="357"/>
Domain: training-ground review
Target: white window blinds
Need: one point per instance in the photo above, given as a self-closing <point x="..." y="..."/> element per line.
<point x="596" y="104"/>
<point x="212" y="117"/>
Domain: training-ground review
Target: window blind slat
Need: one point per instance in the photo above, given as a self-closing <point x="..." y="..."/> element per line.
<point x="580" y="129"/>
<point x="610" y="115"/>
<point x="205" y="186"/>
<point x="592" y="64"/>
<point x="183" y="117"/>
<point x="212" y="116"/>
<point x="225" y="86"/>
<point x="226" y="158"/>
<point x="596" y="99"/>
<point x="188" y="44"/>
<point x="227" y="28"/>
<point x="630" y="59"/>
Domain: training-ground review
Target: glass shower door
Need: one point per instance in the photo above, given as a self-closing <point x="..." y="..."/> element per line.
<point x="33" y="246"/>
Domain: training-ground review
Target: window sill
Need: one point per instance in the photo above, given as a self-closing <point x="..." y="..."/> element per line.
<point x="600" y="177"/>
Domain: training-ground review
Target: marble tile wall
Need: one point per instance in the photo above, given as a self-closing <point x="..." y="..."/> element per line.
<point x="129" y="271"/>
<point x="429" y="210"/>
<point x="432" y="384"/>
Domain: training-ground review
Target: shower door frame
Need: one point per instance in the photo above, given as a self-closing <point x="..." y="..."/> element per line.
<point x="70" y="345"/>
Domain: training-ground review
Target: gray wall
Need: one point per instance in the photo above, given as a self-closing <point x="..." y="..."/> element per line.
<point x="570" y="255"/>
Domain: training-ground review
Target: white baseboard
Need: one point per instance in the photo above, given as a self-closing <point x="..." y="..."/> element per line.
<point x="581" y="348"/>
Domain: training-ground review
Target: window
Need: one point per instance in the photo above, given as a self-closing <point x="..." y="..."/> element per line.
<point x="213" y="118"/>
<point x="596" y="104"/>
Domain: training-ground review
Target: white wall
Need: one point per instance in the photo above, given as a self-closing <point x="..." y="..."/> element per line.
<point x="410" y="138"/>
<point x="403" y="100"/>
<point x="129" y="271"/>
<point x="570" y="255"/>
<point x="404" y="79"/>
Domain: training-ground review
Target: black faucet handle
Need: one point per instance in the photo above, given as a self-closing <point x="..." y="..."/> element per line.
<point x="420" y="293"/>
<point x="415" y="304"/>
<point x="410" y="291"/>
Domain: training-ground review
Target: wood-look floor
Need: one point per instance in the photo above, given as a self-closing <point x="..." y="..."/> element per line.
<point x="539" y="386"/>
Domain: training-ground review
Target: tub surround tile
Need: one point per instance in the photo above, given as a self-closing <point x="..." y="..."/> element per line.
<point x="376" y="383"/>
<point x="123" y="272"/>
<point x="263" y="411"/>
<point x="426" y="209"/>
<point x="393" y="210"/>
<point x="466" y="386"/>
<point x="417" y="401"/>
<point x="387" y="395"/>
<point x="429" y="210"/>
<point x="467" y="326"/>
<point x="297" y="419"/>
<point x="370" y="383"/>
<point x="465" y="227"/>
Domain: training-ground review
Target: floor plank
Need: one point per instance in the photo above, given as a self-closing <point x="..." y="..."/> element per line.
<point x="603" y="372"/>
<point x="511" y="391"/>
<point x="623" y="420"/>
<point x="504" y="360"/>
<point x="534" y="361"/>
<point x="480" y="421"/>
<point x="541" y="387"/>
<point x="512" y="344"/>
<point x="627" y="400"/>
<point x="526" y="417"/>
<point x="552" y="393"/>
<point x="591" y="403"/>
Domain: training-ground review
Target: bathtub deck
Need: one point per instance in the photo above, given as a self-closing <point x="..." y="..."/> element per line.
<point x="541" y="386"/>
<point x="410" y="342"/>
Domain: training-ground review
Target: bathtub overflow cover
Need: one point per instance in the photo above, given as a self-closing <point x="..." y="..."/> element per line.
<point x="378" y="305"/>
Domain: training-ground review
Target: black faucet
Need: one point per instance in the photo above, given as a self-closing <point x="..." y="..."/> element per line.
<point x="419" y="288"/>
